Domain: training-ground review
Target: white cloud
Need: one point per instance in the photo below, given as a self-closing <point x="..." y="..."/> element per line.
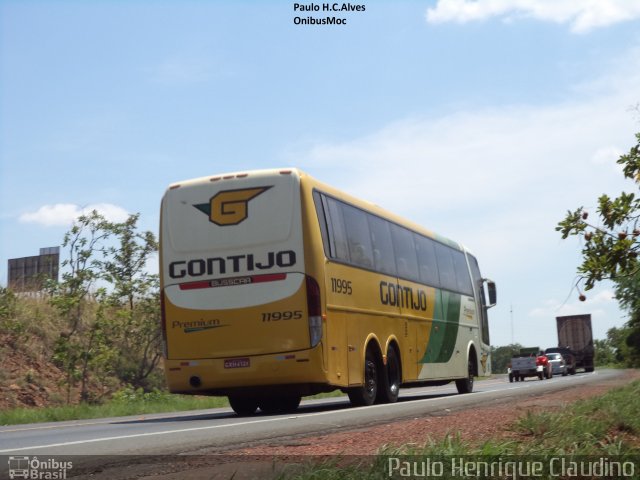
<point x="608" y="156"/>
<point x="601" y="304"/>
<point x="581" y="15"/>
<point x="64" y="214"/>
<point x="596" y="303"/>
<point x="535" y="155"/>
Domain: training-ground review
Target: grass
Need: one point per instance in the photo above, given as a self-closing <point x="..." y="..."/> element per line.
<point x="124" y="403"/>
<point x="606" y="426"/>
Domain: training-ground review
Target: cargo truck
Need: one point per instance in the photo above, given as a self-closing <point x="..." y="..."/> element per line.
<point x="575" y="338"/>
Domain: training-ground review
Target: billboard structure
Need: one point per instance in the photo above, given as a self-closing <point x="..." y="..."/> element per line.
<point x="28" y="274"/>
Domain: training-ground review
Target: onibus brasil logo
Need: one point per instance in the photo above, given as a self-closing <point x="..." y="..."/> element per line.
<point x="35" y="468"/>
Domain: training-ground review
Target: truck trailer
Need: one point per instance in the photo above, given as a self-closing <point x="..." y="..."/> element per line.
<point x="576" y="335"/>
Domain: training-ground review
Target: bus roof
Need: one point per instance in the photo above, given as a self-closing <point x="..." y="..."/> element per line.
<point x="307" y="179"/>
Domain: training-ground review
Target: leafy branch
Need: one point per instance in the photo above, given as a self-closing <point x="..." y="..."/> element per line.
<point x="610" y="249"/>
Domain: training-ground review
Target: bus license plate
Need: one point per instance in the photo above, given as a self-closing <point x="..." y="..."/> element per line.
<point x="236" y="363"/>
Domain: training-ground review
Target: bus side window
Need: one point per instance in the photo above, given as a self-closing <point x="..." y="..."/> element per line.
<point x="463" y="279"/>
<point x="446" y="268"/>
<point x="358" y="236"/>
<point x="405" y="252"/>
<point x="479" y="284"/>
<point x="322" y="209"/>
<point x="427" y="266"/>
<point x="337" y="233"/>
<point x="382" y="245"/>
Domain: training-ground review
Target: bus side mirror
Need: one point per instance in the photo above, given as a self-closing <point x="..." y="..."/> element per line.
<point x="491" y="287"/>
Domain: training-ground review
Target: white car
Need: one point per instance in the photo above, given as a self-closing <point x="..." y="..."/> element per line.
<point x="558" y="365"/>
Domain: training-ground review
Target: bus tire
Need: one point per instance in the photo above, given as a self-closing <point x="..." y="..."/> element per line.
<point x="391" y="376"/>
<point x="243" y="406"/>
<point x="274" y="405"/>
<point x="365" y="394"/>
<point x="465" y="385"/>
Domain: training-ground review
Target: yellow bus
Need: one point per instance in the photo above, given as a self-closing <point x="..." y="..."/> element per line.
<point x="275" y="286"/>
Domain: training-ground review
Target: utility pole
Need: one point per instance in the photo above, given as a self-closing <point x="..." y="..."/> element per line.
<point x="511" y="311"/>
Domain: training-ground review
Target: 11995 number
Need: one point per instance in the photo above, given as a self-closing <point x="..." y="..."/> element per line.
<point x="339" y="285"/>
<point x="286" y="315"/>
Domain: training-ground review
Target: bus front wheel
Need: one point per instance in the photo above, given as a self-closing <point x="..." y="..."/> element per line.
<point x="366" y="394"/>
<point x="465" y="385"/>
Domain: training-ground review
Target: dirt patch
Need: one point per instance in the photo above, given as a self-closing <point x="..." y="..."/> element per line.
<point x="28" y="378"/>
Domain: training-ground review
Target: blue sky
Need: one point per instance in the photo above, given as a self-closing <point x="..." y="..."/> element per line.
<point x="482" y="120"/>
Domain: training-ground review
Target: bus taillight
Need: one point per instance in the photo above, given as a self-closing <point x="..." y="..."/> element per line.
<point x="314" y="309"/>
<point x="163" y="326"/>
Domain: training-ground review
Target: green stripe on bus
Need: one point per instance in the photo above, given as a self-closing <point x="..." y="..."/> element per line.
<point x="452" y="319"/>
<point x="444" y="328"/>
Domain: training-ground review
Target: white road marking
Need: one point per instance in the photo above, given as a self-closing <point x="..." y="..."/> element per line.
<point x="211" y="427"/>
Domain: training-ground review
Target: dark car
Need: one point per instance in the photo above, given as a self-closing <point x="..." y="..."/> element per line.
<point x="569" y="358"/>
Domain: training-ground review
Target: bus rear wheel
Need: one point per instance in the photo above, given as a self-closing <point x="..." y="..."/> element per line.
<point x="391" y="378"/>
<point x="366" y="394"/>
<point x="243" y="405"/>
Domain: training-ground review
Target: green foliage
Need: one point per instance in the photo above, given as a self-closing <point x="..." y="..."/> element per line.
<point x="111" y="307"/>
<point x="628" y="294"/>
<point x="133" y="301"/>
<point x="501" y="356"/>
<point x="100" y="324"/>
<point x="124" y="265"/>
<point x="604" y="353"/>
<point x="8" y="310"/>
<point x="130" y="395"/>
<point x="128" y="401"/>
<point x="7" y="303"/>
<point x="625" y="353"/>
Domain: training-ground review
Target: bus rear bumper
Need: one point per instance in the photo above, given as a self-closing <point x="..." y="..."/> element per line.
<point x="300" y="370"/>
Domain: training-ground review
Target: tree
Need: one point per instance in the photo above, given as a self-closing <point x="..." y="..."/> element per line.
<point x="110" y="304"/>
<point x="135" y="301"/>
<point x="124" y="266"/>
<point x="628" y="295"/>
<point x="617" y="341"/>
<point x="604" y="353"/>
<point x="74" y="298"/>
<point x="611" y="246"/>
<point x="501" y="357"/>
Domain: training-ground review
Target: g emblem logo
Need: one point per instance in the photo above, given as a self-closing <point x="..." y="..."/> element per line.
<point x="230" y="207"/>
